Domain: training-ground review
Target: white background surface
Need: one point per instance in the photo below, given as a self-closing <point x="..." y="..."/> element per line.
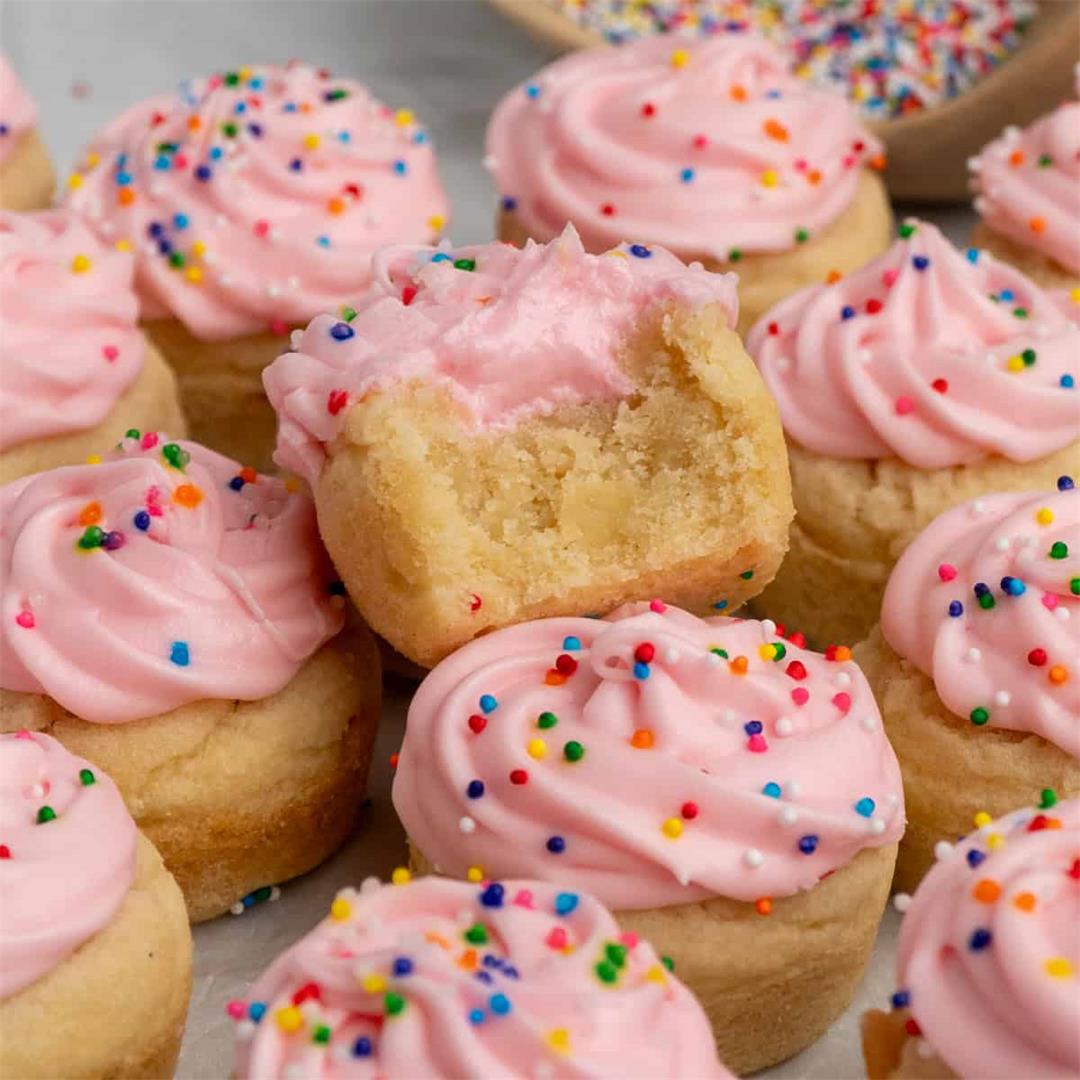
<point x="449" y="61"/>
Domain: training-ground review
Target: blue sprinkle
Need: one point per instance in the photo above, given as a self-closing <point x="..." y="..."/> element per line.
<point x="400" y="168"/>
<point x="155" y="229"/>
<point x="476" y="1016"/>
<point x="773" y="95"/>
<point x="975" y="857"/>
<point x="772" y="789"/>
<point x="236" y="483"/>
<point x="256" y="1011"/>
<point x="179" y="654"/>
<point x="296" y="164"/>
<point x="980" y="939"/>
<point x="216" y="153"/>
<point x="344" y="136"/>
<point x="123" y="178"/>
<point x="256" y="130"/>
<point x="162" y="162"/>
<point x="142" y="521"/>
<point x="488" y="703"/>
<point x="403" y="966"/>
<point x="181" y="221"/>
<point x="641" y="670"/>
<point x="509" y="203"/>
<point x="901" y="999"/>
<point x="640" y="251"/>
<point x="847" y="312"/>
<point x="1067" y="382"/>
<point x="556" y="845"/>
<point x="972" y="255"/>
<point x="1006" y="294"/>
<point x="255" y="82"/>
<point x="164" y="245"/>
<point x="981" y="588"/>
<point x="240" y="107"/>
<point x="686" y="176"/>
<point x="753" y="727"/>
<point x="323" y="240"/>
<point x="865" y="807"/>
<point x="920" y="262"/>
<point x="956" y="609"/>
<point x="1065" y="483"/>
<point x="565" y="903"/>
<point x="808" y="844"/>
<point x="121" y="160"/>
<point x="202" y="172"/>
<point x="532" y="91"/>
<point x="420" y="137"/>
<point x="571" y="644"/>
<point x="493" y="895"/>
<point x="720" y="605"/>
<point x="491" y="961"/>
<point x="441" y="256"/>
<point x="342" y="331"/>
<point x="289" y="106"/>
<point x="1013" y="586"/>
<point x="475" y="789"/>
<point x="362" y="1047"/>
<point x="499" y="1004"/>
<point x="484" y="977"/>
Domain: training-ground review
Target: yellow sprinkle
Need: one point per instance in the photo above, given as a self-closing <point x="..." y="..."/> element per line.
<point x="767" y="652"/>
<point x="537" y="748"/>
<point x="559" y="1039"/>
<point x="1074" y="295"/>
<point x="123" y="245"/>
<point x="311" y="141"/>
<point x="657" y="974"/>
<point x="1015" y="363"/>
<point x="93" y="160"/>
<point x="1058" y="967"/>
<point x="404" y="117"/>
<point x="680" y="58"/>
<point x="436" y="222"/>
<point x="244" y="73"/>
<point x="617" y="253"/>
<point x="1044" y="515"/>
<point x="672" y="828"/>
<point x="74" y="181"/>
<point x="769" y="178"/>
<point x="373" y="983"/>
<point x="198" y="248"/>
<point x="194" y="274"/>
<point x="93" y="459"/>
<point x="474" y="874"/>
<point x="401" y="876"/>
<point x="340" y="909"/>
<point x="289" y="1019"/>
<point x="80" y="264"/>
<point x="994" y="841"/>
<point x="982" y="818"/>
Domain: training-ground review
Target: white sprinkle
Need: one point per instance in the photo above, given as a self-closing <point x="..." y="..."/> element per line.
<point x="980" y="205"/>
<point x="875" y="826"/>
<point x="978" y="507"/>
<point x="784" y="726"/>
<point x="682" y="877"/>
<point x="1002" y="698"/>
<point x="467" y="825"/>
<point x="1001" y="543"/>
<point x="753" y="858"/>
<point x="788" y="815"/>
<point x="671" y="656"/>
<point x="237" y="909"/>
<point x="695" y="265"/>
<point x="893" y="799"/>
<point x="714" y="659"/>
<point x="37" y="791"/>
<point x="244" y="1030"/>
<point x="974" y="164"/>
<point x="1062" y="614"/>
<point x="793" y="788"/>
<point x="225" y="281"/>
<point x="370" y="885"/>
<point x="842" y="678"/>
<point x="868" y="721"/>
<point x="783" y="363"/>
<point x="768" y="629"/>
<point x="973" y="655"/>
<point x="275" y="893"/>
<point x="295" y="338"/>
<point x="942" y="850"/>
<point x="924" y="1049"/>
<point x="901" y="901"/>
<point x="273" y="291"/>
<point x="490" y="162"/>
<point x="728" y="717"/>
<point x="864" y="356"/>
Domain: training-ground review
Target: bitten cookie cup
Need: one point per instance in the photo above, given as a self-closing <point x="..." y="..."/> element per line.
<point x="443" y="979"/>
<point x="988" y="958"/>
<point x="94" y="934"/>
<point x="27" y="179"/>
<point x="711" y="148"/>
<point x="1027" y="185"/>
<point x="75" y="370"/>
<point x="173" y="618"/>
<point x="975" y="664"/>
<point x="728" y="793"/>
<point x="253" y="200"/>
<point x="927" y="378"/>
<point x="501" y="434"/>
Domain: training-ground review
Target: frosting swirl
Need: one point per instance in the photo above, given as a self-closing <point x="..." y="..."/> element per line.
<point x="1027" y="184"/>
<point x="439" y="978"/>
<point x="166" y="575"/>
<point x="69" y="343"/>
<point x="927" y="355"/>
<point x="255" y="199"/>
<point x="989" y="953"/>
<point x="710" y="148"/>
<point x="654" y="758"/>
<point x="986" y="602"/>
<point x="18" y="113"/>
<point x="67" y="857"/>
<point x="508" y="332"/>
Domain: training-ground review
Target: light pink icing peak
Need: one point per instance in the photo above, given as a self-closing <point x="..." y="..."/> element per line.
<point x="67" y="856"/>
<point x="18" y="113"/>
<point x="274" y="185"/>
<point x="135" y="586"/>
<point x="742" y="775"/>
<point x="69" y="343"/>
<point x="985" y="601"/>
<point x="1028" y="184"/>
<point x="509" y="332"/>
<point x="925" y="354"/>
<point x="705" y="147"/>
<point x="989" y="949"/>
<point x="436" y="978"/>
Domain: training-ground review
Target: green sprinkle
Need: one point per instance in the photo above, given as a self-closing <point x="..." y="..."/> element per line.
<point x="746" y="575"/>
<point x="394" y="1004"/>
<point x="779" y="650"/>
<point x="1045" y="161"/>
<point x="1020" y="313"/>
<point x="546" y="720"/>
<point x="980" y="716"/>
<point x="228" y="129"/>
<point x="1047" y="798"/>
<point x="802" y="235"/>
<point x="906" y="230"/>
<point x="175" y="455"/>
<point x="320" y="1034"/>
<point x="477" y="934"/>
<point x="1028" y="356"/>
<point x="573" y="751"/>
<point x="91" y="538"/>
<point x="616" y="954"/>
<point x="132" y="433"/>
<point x="337" y="95"/>
<point x="606" y="971"/>
<point x="86" y="777"/>
<point x="231" y="78"/>
<point x="734" y="255"/>
<point x="719" y="652"/>
<point x="464" y="264"/>
<point x="46" y="813"/>
<point x="1059" y="550"/>
<point x="986" y="601"/>
<point x="176" y="259"/>
<point x="348" y="313"/>
<point x="1074" y="586"/>
<point x="668" y="962"/>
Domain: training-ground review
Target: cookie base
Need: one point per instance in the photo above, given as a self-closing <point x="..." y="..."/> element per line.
<point x="891" y="1052"/>
<point x="27" y="178"/>
<point x="1043" y="270"/>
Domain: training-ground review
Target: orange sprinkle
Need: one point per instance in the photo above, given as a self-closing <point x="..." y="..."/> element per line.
<point x="336" y="205"/>
<point x="1057" y="674"/>
<point x="125" y="196"/>
<point x="437" y="939"/>
<point x="738" y="92"/>
<point x="193" y="123"/>
<point x="832" y="277"/>
<point x="90" y="514"/>
<point x="986" y="891"/>
<point x="1037" y="224"/>
<point x="775" y="130"/>
<point x="554" y="678"/>
<point x="467" y="960"/>
<point x="187" y="495"/>
<point x="739" y="665"/>
<point x="1025" y="901"/>
<point x="813" y="177"/>
<point x="1016" y="158"/>
<point x="763" y="905"/>
<point x="642" y="739"/>
<point x="248" y="475"/>
<point x="877" y="162"/>
<point x="843" y="653"/>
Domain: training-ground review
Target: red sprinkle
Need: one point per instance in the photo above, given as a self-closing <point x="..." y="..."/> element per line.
<point x="689" y="810"/>
<point x="279" y="327"/>
<point x="477" y="723"/>
<point x="556" y="938"/>
<point x="1037" y="657"/>
<point x="644" y="653"/>
<point x="911" y="1027"/>
<point x="110" y="352"/>
<point x="566" y="664"/>
<point x="1038" y="823"/>
<point x="607" y="210"/>
<point x="648" y="109"/>
<point x="798" y="638"/>
<point x="408" y="294"/>
<point x="946" y="571"/>
<point x="756" y="744"/>
<point x="336" y="401"/>
<point x="941" y="385"/>
<point x="308" y="992"/>
<point x="1074" y="870"/>
<point x="394" y="759"/>
<point x="519" y="776"/>
<point x="701" y="141"/>
<point x="261" y="227"/>
<point x="25" y="619"/>
<point x="904" y="405"/>
<point x="873" y="306"/>
<point x="5" y="851"/>
<point x="796" y="669"/>
<point x="774" y="328"/>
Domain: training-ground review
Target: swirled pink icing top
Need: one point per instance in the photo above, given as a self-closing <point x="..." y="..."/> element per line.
<point x="437" y="978"/>
<point x="926" y="354"/>
<point x="18" y="113"/>
<point x="69" y="340"/>
<point x="651" y="757"/>
<point x="67" y="856"/>
<point x="163" y="576"/>
<point x="508" y="332"/>
<point x="256" y="198"/>
<point x="986" y="601"/>
<point x="1027" y="184"/>
<point x="709" y="148"/>
<point x="989" y="950"/>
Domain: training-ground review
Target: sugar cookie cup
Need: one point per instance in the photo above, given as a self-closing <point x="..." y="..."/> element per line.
<point x="246" y="227"/>
<point x="95" y="937"/>
<point x="975" y="665"/>
<point x="727" y="792"/>
<point x="26" y="173"/>
<point x="236" y="720"/>
<point x="988" y="956"/>
<point x="709" y="148"/>
<point x="76" y="372"/>
<point x="925" y="379"/>
<point x="529" y="981"/>
<point x="562" y="433"/>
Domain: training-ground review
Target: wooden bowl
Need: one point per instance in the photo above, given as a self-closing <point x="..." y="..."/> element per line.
<point x="927" y="151"/>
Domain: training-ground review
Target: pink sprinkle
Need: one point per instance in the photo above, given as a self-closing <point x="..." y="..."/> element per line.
<point x="149" y="440"/>
<point x="904" y="405"/>
<point x="25" y="619"/>
<point x="556" y="938"/>
<point x="658" y="606"/>
<point x="756" y="744"/>
<point x="110" y="352"/>
<point x="888" y="279"/>
<point x="22" y="733"/>
<point x="800" y="695"/>
<point x="179" y="161"/>
<point x="842" y="702"/>
<point x="279" y="327"/>
<point x="261" y="227"/>
<point x="236" y="1010"/>
<point x="946" y="571"/>
<point x="800" y="164"/>
<point x="849" y="161"/>
<point x="629" y="939"/>
<point x="524" y="898"/>
<point x="1050" y="601"/>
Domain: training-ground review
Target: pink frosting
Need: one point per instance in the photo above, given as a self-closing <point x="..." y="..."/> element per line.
<point x="271" y="187"/>
<point x="508" y="332"/>
<point x="707" y="147"/>
<point x="989" y="949"/>
<point x="1028" y="184"/>
<point x="67" y="856"/>
<point x="69" y="344"/>
<point x="986" y="602"/>
<point x="133" y="587"/>
<point x="18" y="113"/>
<point x="742" y="775"/>
<point x="436" y="978"/>
<point x="923" y="355"/>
